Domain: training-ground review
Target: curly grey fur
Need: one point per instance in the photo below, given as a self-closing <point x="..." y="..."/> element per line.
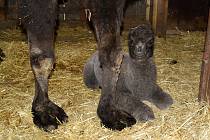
<point x="137" y="80"/>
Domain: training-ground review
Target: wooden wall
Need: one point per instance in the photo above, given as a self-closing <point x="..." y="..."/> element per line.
<point x="186" y="14"/>
<point x="72" y="8"/>
<point x="12" y="7"/>
<point x="189" y="14"/>
<point x="2" y="10"/>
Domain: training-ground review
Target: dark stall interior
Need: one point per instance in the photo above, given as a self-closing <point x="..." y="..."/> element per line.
<point x="186" y="15"/>
<point x="178" y="57"/>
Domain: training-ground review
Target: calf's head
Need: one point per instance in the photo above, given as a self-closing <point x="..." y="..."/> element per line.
<point x="141" y="42"/>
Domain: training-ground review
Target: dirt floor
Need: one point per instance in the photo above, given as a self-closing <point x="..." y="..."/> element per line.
<point x="186" y="119"/>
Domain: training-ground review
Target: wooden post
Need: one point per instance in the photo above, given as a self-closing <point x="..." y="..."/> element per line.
<point x="160" y="14"/>
<point x="151" y="11"/>
<point x="148" y="10"/>
<point x="2" y="10"/>
<point x="154" y="16"/>
<point x="204" y="91"/>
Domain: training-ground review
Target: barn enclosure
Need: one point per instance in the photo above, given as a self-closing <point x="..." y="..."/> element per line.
<point x="186" y="15"/>
<point x="178" y="56"/>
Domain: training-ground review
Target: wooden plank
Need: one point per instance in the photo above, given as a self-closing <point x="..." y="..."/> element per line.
<point x="151" y="11"/>
<point x="2" y="10"/>
<point x="12" y="13"/>
<point x="2" y="3"/>
<point x="154" y="16"/>
<point x="204" y="90"/>
<point x="148" y="2"/>
<point x="160" y="14"/>
<point x="162" y="18"/>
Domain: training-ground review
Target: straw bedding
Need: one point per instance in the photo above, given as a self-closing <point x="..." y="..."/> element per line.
<point x="186" y="119"/>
